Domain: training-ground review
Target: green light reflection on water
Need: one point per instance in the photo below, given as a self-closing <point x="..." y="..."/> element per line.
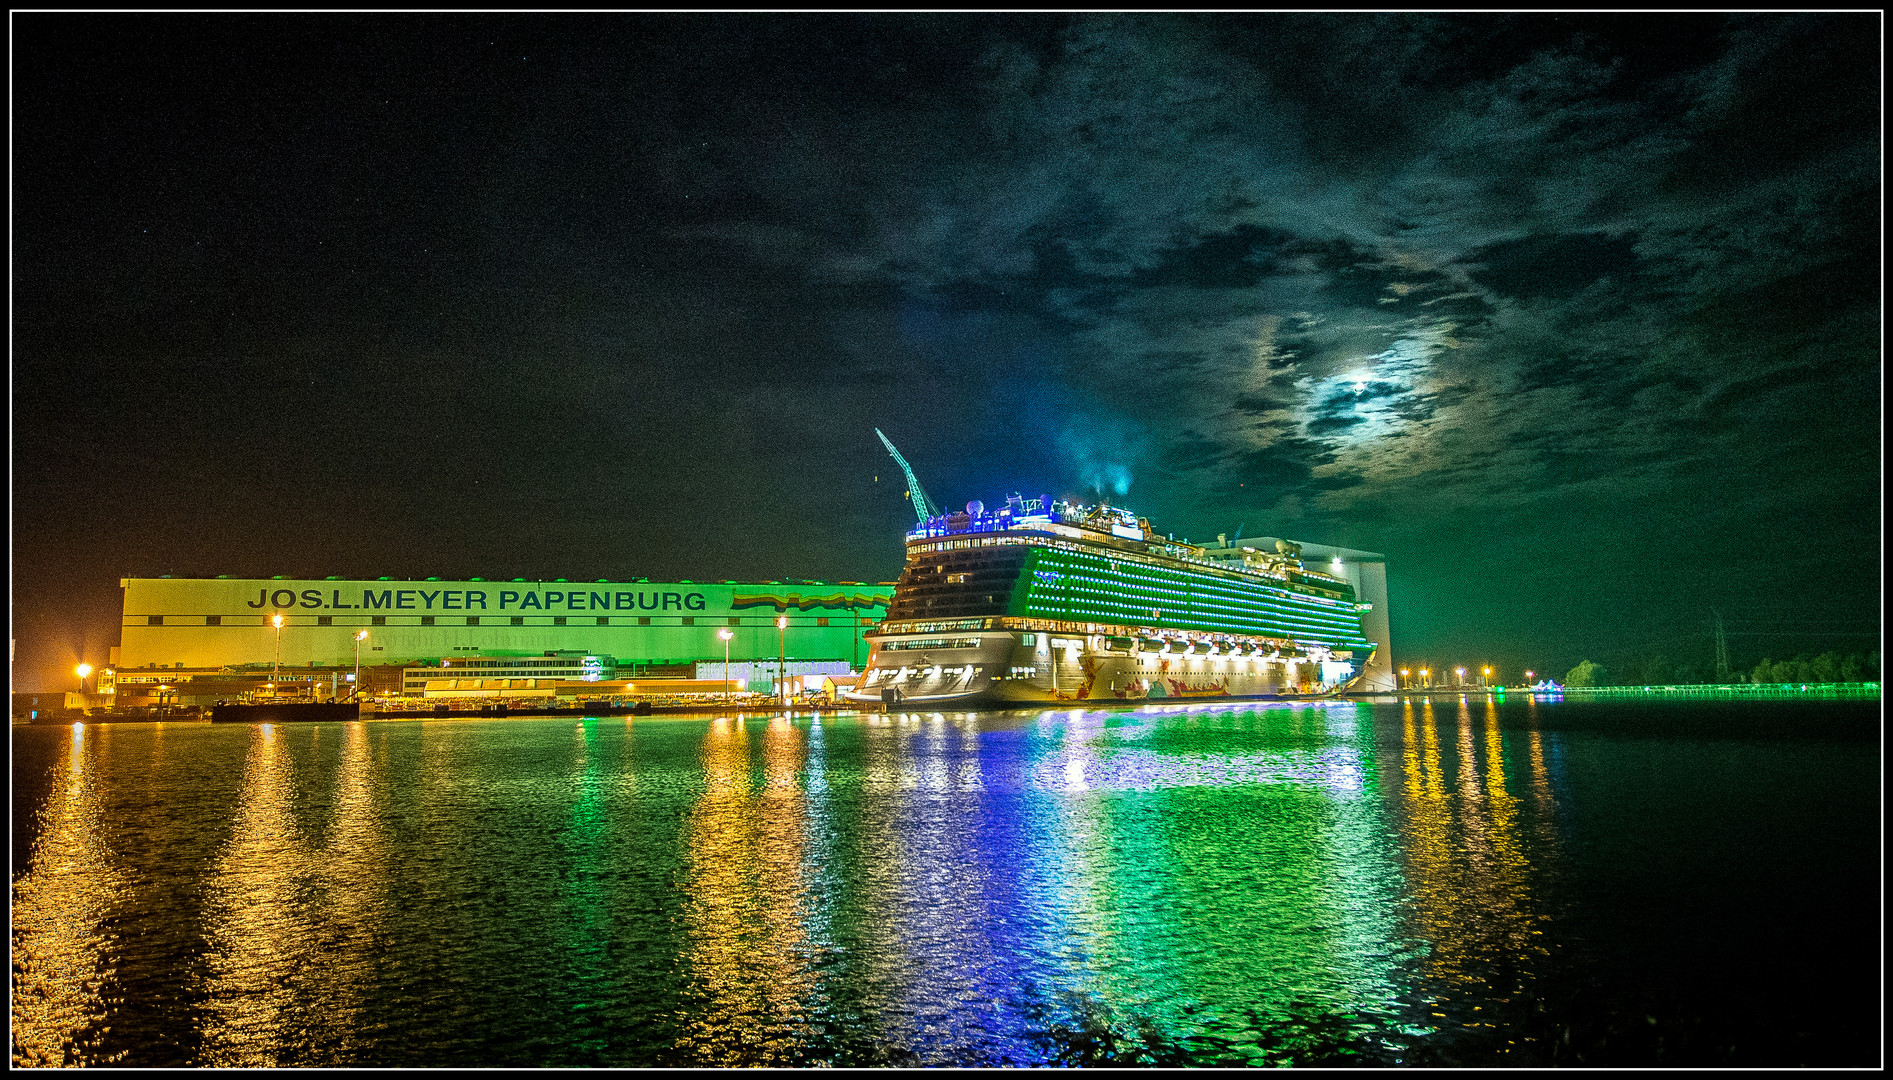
<point x="1246" y="921"/>
<point x="1243" y="884"/>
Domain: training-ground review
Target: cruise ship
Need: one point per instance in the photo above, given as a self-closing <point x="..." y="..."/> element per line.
<point x="1041" y="601"/>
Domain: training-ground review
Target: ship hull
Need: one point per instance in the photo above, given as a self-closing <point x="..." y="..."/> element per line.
<point x="1006" y="669"/>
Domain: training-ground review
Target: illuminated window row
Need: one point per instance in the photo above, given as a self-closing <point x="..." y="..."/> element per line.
<point x="1098" y="563"/>
<point x="1207" y="588"/>
<point x="1236" y="607"/>
<point x="933" y="643"/>
<point x="1262" y="627"/>
<point x="1257" y="618"/>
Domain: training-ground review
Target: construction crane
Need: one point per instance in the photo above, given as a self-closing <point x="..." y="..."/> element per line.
<point x="923" y="506"/>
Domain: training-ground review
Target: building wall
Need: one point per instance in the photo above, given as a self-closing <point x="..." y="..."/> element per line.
<point x="226" y="622"/>
<point x="1370" y="584"/>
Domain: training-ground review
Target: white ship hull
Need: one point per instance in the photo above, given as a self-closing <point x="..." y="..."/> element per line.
<point x="1002" y="668"/>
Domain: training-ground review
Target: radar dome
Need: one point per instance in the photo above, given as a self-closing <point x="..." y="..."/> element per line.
<point x="976" y="507"/>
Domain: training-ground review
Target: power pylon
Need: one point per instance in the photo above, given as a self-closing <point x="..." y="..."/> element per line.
<point x="1722" y="650"/>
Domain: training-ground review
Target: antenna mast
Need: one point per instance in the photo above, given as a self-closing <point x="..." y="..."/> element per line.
<point x="923" y="506"/>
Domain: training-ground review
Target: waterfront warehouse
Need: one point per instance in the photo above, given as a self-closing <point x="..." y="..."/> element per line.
<point x="211" y="623"/>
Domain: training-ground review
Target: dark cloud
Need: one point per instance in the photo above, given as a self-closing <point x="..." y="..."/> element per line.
<point x="1537" y="266"/>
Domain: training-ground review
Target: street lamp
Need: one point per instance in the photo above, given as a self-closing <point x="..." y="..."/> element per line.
<point x="726" y="634"/>
<point x="360" y="636"/>
<point x="276" y="672"/>
<point x="782" y="656"/>
<point x="1486" y="675"/>
<point x="83" y="670"/>
<point x="1404" y="685"/>
<point x="1459" y="675"/>
<point x="1528" y="678"/>
<point x="1426" y="678"/>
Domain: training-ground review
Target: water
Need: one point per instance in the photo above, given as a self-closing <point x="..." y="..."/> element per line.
<point x="1436" y="883"/>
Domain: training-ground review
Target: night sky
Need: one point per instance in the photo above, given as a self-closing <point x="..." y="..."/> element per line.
<point x="1576" y="319"/>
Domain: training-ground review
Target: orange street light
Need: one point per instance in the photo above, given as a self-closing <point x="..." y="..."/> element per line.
<point x="276" y="672"/>
<point x="83" y="670"/>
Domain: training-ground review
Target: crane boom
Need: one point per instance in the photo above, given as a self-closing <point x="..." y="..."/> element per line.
<point x="923" y="506"/>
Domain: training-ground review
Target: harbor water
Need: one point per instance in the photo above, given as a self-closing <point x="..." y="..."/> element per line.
<point x="1428" y="882"/>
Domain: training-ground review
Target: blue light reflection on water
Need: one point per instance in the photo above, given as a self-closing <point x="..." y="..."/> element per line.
<point x="1197" y="883"/>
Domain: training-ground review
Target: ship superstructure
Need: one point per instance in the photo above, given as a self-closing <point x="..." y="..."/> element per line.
<point x="1041" y="601"/>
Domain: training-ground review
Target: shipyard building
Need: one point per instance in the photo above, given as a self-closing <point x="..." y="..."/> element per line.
<point x="596" y="629"/>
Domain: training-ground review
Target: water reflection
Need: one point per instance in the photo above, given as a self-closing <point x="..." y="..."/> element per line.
<point x="1196" y="884"/>
<point x="294" y="928"/>
<point x="348" y="898"/>
<point x="1190" y="926"/>
<point x="61" y="946"/>
<point x="257" y="943"/>
<point x="946" y="977"/>
<point x="1468" y="866"/>
<point x="747" y="966"/>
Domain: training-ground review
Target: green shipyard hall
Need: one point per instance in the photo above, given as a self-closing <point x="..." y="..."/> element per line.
<point x="182" y="629"/>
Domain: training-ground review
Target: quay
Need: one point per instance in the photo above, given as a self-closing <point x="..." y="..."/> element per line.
<point x="1684" y="690"/>
<point x="326" y="712"/>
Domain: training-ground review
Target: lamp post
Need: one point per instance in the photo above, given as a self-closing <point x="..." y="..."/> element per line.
<point x="1404" y="685"/>
<point x="1485" y="677"/>
<point x="726" y="635"/>
<point x="360" y="636"/>
<point x="276" y="672"/>
<point x="1426" y="678"/>
<point x="782" y="657"/>
<point x="1459" y="677"/>
<point x="82" y="671"/>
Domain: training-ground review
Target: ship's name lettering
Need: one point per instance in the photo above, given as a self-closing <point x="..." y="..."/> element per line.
<point x="476" y="600"/>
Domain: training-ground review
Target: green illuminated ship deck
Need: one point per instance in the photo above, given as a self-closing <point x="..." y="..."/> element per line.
<point x="1137" y="614"/>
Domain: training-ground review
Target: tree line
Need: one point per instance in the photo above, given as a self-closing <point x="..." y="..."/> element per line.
<point x="1657" y="670"/>
<point x="1825" y="668"/>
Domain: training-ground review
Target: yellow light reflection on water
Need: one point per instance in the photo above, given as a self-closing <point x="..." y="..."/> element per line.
<point x="1472" y="895"/>
<point x="748" y="966"/>
<point x="254" y="940"/>
<point x="61" y="947"/>
<point x="290" y="926"/>
<point x="350" y="880"/>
